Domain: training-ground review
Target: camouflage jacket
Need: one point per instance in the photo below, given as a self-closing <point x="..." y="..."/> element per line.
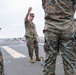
<point x="29" y="29"/>
<point x="59" y="14"/>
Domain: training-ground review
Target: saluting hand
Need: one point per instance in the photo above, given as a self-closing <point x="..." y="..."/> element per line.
<point x="29" y="10"/>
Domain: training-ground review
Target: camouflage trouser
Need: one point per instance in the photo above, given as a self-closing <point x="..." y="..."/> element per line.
<point x="75" y="46"/>
<point x="75" y="51"/>
<point x="53" y="42"/>
<point x="1" y="64"/>
<point x="32" y="44"/>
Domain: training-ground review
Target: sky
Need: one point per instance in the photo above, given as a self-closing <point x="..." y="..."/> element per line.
<point x="12" y="13"/>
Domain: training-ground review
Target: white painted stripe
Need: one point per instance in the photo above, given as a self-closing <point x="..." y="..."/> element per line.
<point x="13" y="53"/>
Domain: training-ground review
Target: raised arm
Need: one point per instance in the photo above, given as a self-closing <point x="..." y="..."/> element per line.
<point x="26" y="17"/>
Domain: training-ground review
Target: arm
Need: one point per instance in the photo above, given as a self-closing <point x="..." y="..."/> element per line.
<point x="36" y="35"/>
<point x="36" y="32"/>
<point x="26" y="17"/>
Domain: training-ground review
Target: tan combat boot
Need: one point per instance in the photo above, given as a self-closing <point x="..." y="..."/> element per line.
<point x="37" y="58"/>
<point x="31" y="60"/>
<point x="46" y="58"/>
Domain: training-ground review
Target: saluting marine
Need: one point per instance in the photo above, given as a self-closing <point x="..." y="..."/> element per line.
<point x="31" y="35"/>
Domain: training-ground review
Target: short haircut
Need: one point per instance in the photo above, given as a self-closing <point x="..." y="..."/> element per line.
<point x="31" y="14"/>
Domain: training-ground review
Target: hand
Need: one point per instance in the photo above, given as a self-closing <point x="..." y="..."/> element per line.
<point x="29" y="10"/>
<point x="38" y="39"/>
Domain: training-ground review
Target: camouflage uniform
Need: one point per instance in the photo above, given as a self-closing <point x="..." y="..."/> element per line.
<point x="58" y="31"/>
<point x="31" y="39"/>
<point x="1" y="64"/>
<point x="75" y="41"/>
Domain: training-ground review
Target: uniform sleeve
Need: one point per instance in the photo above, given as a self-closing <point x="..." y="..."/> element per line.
<point x="26" y="22"/>
<point x="74" y="4"/>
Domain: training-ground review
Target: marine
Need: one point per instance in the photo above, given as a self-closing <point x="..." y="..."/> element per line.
<point x="58" y="33"/>
<point x="1" y="64"/>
